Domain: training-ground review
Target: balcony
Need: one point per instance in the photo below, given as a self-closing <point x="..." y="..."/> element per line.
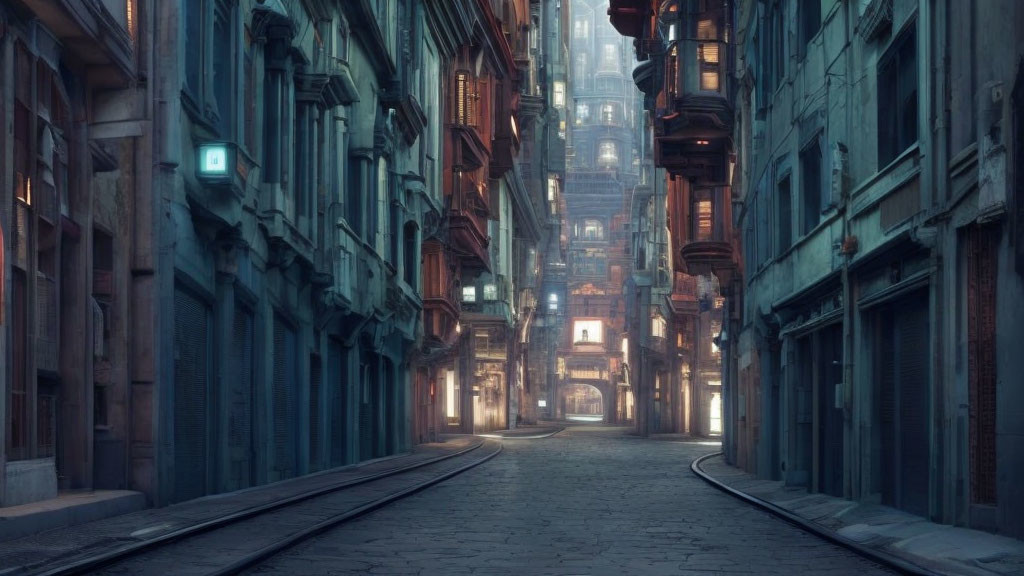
<point x="629" y="16"/>
<point x="468" y="228"/>
<point x="706" y="248"/>
<point x="694" y="139"/>
<point x="647" y="77"/>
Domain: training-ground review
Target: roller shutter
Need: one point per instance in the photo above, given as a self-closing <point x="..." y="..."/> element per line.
<point x="284" y="401"/>
<point x="240" y="426"/>
<point x="191" y="376"/>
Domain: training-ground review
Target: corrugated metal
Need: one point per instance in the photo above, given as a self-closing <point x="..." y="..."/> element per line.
<point x="240" y="424"/>
<point x="191" y="376"/>
<point x="284" y="399"/>
<point x="887" y="462"/>
<point x="315" y="437"/>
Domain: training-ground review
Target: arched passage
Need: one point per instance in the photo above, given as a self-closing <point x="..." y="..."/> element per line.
<point x="582" y="402"/>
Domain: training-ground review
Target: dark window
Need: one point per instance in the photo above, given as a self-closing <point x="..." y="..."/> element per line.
<point x="222" y="69"/>
<point x="810" y="21"/>
<point x="249" y="100"/>
<point x="810" y="184"/>
<point x="784" y="218"/>
<point x="897" y="97"/>
<point x="193" y="20"/>
<point x="411" y="254"/>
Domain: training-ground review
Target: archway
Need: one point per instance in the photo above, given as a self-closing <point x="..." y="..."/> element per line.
<point x="582" y="402"/>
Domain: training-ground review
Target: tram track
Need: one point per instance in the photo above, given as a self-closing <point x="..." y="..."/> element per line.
<point x="237" y="541"/>
<point x="887" y="560"/>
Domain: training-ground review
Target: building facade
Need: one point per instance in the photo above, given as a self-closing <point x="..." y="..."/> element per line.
<point x="879" y="152"/>
<point x="238" y="235"/>
<point x="686" y="260"/>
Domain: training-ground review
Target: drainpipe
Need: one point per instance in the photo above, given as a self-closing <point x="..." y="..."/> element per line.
<point x="850" y="422"/>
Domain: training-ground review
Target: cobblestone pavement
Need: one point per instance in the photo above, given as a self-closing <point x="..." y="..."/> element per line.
<point x="590" y="500"/>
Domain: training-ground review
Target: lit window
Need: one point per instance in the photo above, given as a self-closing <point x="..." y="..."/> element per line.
<point x="582" y="112"/>
<point x="558" y="98"/>
<point x="451" y="397"/>
<point x="552" y="189"/>
<point x="608" y="113"/>
<point x="608" y="153"/>
<point x="465" y="100"/>
<point x="588" y="331"/>
<point x="709" y="81"/>
<point x="490" y="292"/>
<point x="658" y="325"/>
<point x="553" y="302"/>
<point x="716" y="414"/>
<point x="469" y="293"/>
<point x="704" y="227"/>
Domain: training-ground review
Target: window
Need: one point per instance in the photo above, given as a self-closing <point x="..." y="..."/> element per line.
<point x="897" y="97"/>
<point x="610" y="58"/>
<point x="490" y="292"/>
<point x="715" y="424"/>
<point x="249" y="100"/>
<point x="608" y="153"/>
<point x="558" y="97"/>
<point x="588" y="331"/>
<point x="553" y="302"/>
<point x="382" y="232"/>
<point x="223" y="71"/>
<point x="704" y="220"/>
<point x="193" y="31"/>
<point x="672" y="72"/>
<point x="581" y="29"/>
<point x="469" y="293"/>
<point x="465" y="109"/>
<point x="411" y="254"/>
<point x="784" y="218"/>
<point x="341" y="45"/>
<point x="580" y="72"/>
<point x="451" y="396"/>
<point x="608" y="113"/>
<point x="810" y="21"/>
<point x="707" y="54"/>
<point x="582" y="112"/>
<point x="593" y="230"/>
<point x="811" y="184"/>
<point x="658" y="325"/>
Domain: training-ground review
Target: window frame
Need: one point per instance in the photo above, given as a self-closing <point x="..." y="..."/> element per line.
<point x="891" y="109"/>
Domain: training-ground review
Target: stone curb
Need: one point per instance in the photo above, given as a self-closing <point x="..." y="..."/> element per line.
<point x="883" y="558"/>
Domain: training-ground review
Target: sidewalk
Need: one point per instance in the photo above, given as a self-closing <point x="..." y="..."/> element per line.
<point x="63" y="544"/>
<point x="935" y="548"/>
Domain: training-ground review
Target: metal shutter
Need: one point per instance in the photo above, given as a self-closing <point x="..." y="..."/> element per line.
<point x="315" y="438"/>
<point x="240" y="424"/>
<point x="912" y="371"/>
<point x="190" y="395"/>
<point x="366" y="407"/>
<point x="339" y="406"/>
<point x="284" y="399"/>
<point x="886" y="463"/>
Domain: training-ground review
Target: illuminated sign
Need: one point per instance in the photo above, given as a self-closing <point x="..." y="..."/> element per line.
<point x="213" y="160"/>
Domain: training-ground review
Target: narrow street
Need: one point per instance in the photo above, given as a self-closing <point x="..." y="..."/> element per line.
<point x="589" y="500"/>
